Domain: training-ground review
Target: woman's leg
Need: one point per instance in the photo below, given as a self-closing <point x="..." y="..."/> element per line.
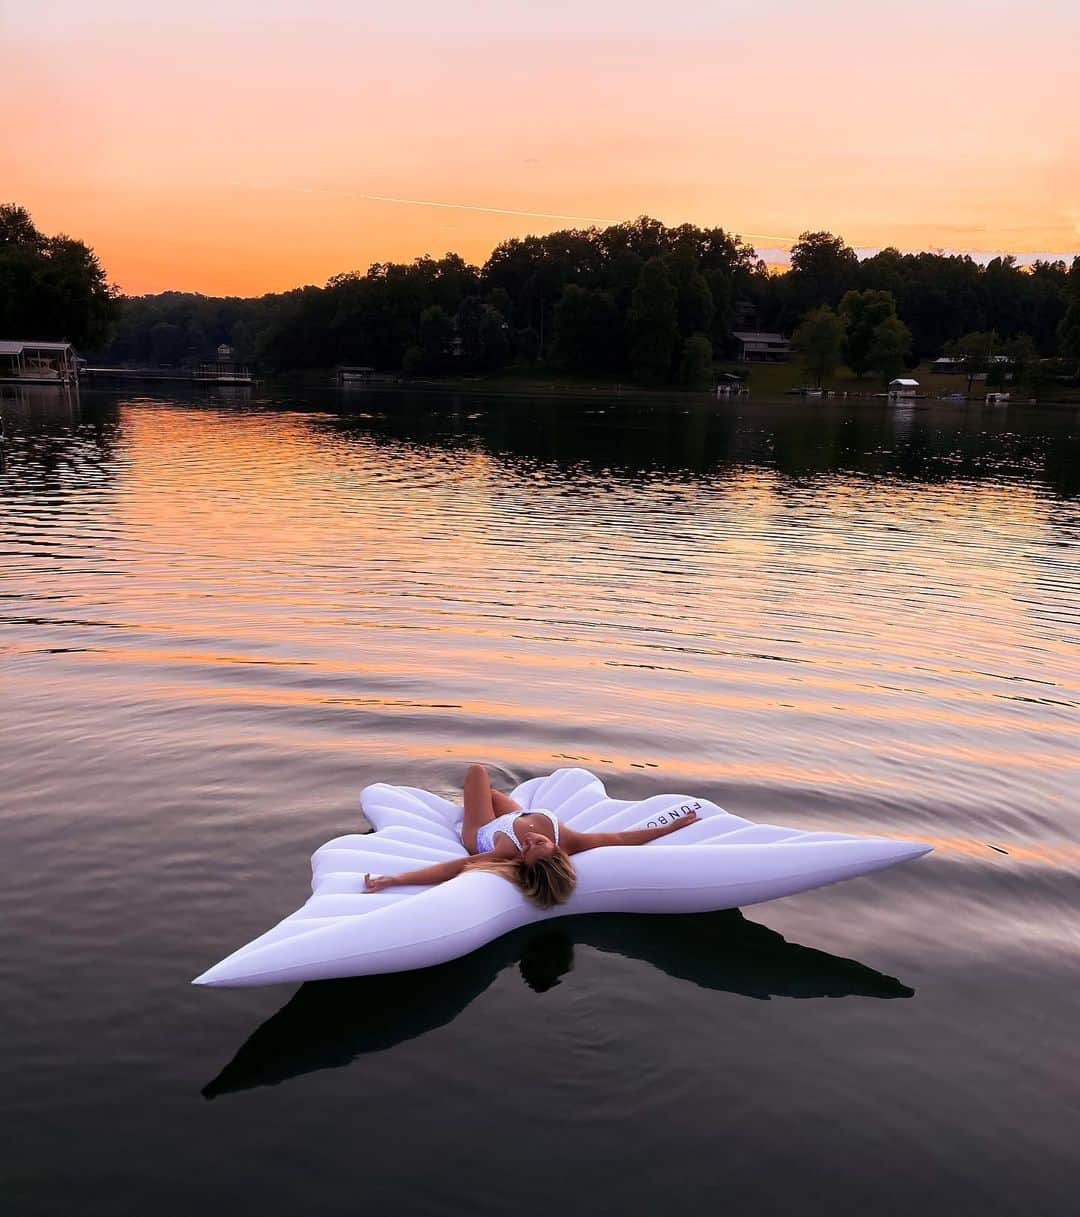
<point x="479" y="807"/>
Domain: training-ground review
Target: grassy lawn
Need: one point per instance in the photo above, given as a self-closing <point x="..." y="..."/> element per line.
<point x="768" y="378"/>
<point x="764" y="379"/>
<point x="545" y="381"/>
<point x="779" y="377"/>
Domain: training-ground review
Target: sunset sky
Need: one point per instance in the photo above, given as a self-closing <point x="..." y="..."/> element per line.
<point x="236" y="145"/>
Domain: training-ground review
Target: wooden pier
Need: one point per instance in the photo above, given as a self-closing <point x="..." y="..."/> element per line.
<point x="204" y="374"/>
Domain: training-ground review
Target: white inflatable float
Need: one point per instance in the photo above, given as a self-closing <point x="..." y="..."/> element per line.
<point x="720" y="862"/>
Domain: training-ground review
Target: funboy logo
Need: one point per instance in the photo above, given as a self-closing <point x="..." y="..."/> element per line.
<point x="670" y="814"/>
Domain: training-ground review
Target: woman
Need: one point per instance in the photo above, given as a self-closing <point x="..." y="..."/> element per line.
<point x="530" y="848"/>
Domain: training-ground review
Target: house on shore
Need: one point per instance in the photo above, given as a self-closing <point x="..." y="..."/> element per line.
<point x="760" y="346"/>
<point x="49" y="363"/>
<point x="354" y="374"/>
<point x="224" y="370"/>
<point x="903" y="386"/>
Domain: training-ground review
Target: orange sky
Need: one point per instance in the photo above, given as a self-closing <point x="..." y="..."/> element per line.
<point x="225" y="147"/>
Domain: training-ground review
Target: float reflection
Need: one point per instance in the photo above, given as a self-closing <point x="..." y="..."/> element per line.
<point x="327" y="1024"/>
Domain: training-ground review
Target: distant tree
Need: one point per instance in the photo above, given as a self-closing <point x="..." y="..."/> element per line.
<point x="436" y="339"/>
<point x="889" y="348"/>
<point x="499" y="300"/>
<point x="823" y="268"/>
<point x="1068" y="334"/>
<point x="467" y="325"/>
<point x="998" y="373"/>
<point x="694" y="299"/>
<point x="167" y="346"/>
<point x="1023" y="366"/>
<point x="527" y="345"/>
<point x="18" y="230"/>
<point x="304" y="331"/>
<point x="1028" y="368"/>
<point x="482" y="334"/>
<point x="1004" y="289"/>
<point x="861" y="313"/>
<point x="974" y="351"/>
<point x="447" y="281"/>
<point x="1044" y="290"/>
<point x="696" y="365"/>
<point x="644" y="237"/>
<point x="51" y="288"/>
<point x="818" y="340"/>
<point x="588" y="334"/>
<point x="196" y="341"/>
<point x="494" y="340"/>
<point x="652" y="324"/>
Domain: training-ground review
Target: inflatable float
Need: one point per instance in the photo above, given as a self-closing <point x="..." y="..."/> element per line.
<point x="719" y="862"/>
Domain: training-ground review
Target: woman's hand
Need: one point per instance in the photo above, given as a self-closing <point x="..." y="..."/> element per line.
<point x="377" y="883"/>
<point x="686" y="819"/>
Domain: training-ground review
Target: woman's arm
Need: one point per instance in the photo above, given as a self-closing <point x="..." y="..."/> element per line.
<point x="502" y="803"/>
<point x="439" y="873"/>
<point x="577" y="842"/>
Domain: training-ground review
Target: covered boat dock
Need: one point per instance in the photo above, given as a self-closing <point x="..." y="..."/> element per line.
<point x="38" y="362"/>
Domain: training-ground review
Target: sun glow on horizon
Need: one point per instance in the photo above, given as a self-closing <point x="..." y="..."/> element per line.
<point x="383" y="137"/>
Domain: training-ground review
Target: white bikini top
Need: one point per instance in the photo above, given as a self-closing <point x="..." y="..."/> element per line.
<point x="505" y="824"/>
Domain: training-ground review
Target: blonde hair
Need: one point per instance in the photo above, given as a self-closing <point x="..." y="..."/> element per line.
<point x="546" y="882"/>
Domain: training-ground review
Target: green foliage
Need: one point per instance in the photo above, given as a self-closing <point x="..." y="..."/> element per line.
<point x="652" y="324"/>
<point x="974" y="351"/>
<point x="51" y="288"/>
<point x="823" y="268"/>
<point x="518" y="305"/>
<point x="694" y="300"/>
<point x="696" y="365"/>
<point x="819" y="341"/>
<point x="1068" y="333"/>
<point x="17" y="229"/>
<point x="862" y="313"/>
<point x="494" y="340"/>
<point x="526" y="345"/>
<point x="499" y="299"/>
<point x="1026" y="364"/>
<point x="1021" y="351"/>
<point x="436" y="344"/>
<point x="588" y="330"/>
<point x="482" y="336"/>
<point x="890" y="347"/>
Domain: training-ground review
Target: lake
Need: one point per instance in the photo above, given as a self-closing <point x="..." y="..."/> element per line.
<point x="224" y="616"/>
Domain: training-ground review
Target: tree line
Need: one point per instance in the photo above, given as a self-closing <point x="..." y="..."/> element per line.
<point x="637" y="300"/>
<point x="52" y="289"/>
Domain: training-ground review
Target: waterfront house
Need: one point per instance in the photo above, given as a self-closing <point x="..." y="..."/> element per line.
<point x="224" y="370"/>
<point x="354" y="374"/>
<point x="757" y="345"/>
<point x="903" y="386"/>
<point x="38" y="362"/>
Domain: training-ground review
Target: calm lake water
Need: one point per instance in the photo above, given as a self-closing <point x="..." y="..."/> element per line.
<point x="221" y="618"/>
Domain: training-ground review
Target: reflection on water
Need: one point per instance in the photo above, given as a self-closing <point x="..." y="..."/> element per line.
<point x="220" y="619"/>
<point x="330" y="1023"/>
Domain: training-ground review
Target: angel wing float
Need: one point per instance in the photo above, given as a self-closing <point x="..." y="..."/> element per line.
<point x="720" y="862"/>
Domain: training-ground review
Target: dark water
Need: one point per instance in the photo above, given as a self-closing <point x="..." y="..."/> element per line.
<point x="222" y="618"/>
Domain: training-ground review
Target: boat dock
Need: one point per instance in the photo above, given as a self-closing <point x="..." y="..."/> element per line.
<point x="205" y="374"/>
